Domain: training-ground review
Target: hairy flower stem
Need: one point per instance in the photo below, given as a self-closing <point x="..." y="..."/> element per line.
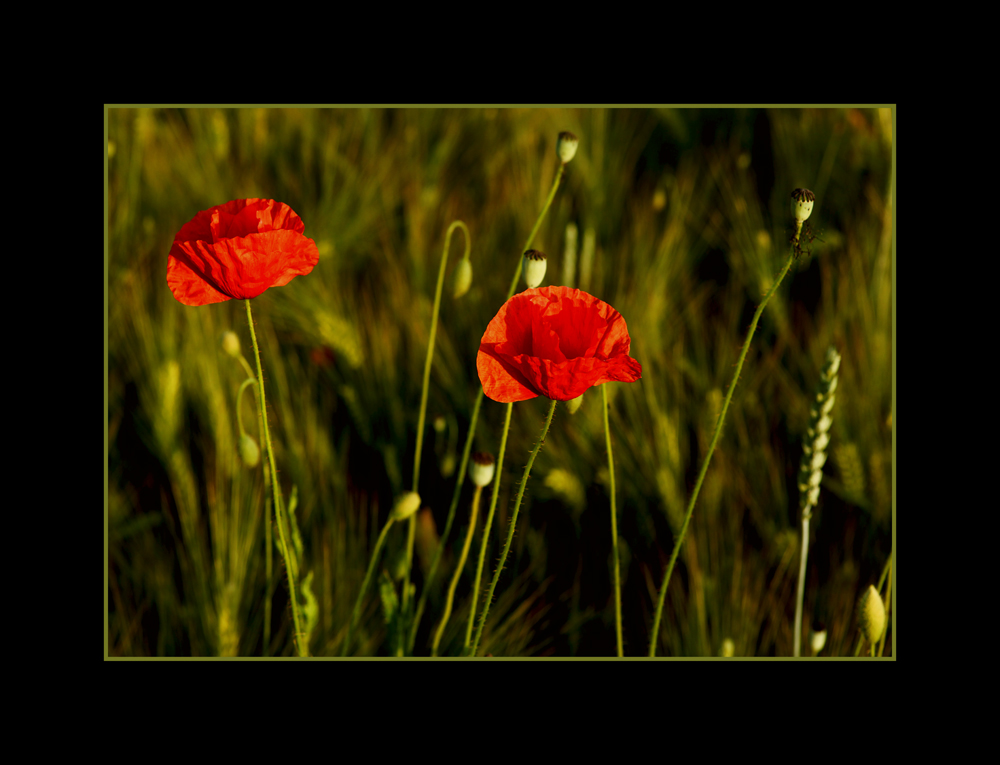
<point x="510" y="531"/>
<point x="421" y="420"/>
<point x="654" y="635"/>
<point x="486" y="530"/>
<point x="614" y="527"/>
<point x="450" y="600"/>
<point x="290" y="567"/>
<point x="460" y="480"/>
<point x="364" y="585"/>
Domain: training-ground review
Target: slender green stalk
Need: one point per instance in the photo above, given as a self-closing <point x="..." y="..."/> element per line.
<point x="487" y="529"/>
<point x="800" y="593"/>
<point x="513" y="525"/>
<point x="450" y="600"/>
<point x="614" y="527"/>
<point x="421" y="420"/>
<point x="654" y="635"/>
<point x="289" y="563"/>
<point x="364" y="585"/>
<point x="888" y="600"/>
<point x="472" y="425"/>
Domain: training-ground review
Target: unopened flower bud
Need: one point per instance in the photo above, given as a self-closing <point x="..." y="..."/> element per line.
<point x="535" y="264"/>
<point x="249" y="451"/>
<point x="802" y="204"/>
<point x="440" y="424"/>
<point x="481" y="468"/>
<point x="405" y="506"/>
<point x="231" y="344"/>
<point x="574" y="404"/>
<point x="566" y="146"/>
<point x="728" y="648"/>
<point x="871" y="614"/>
<point x="817" y="640"/>
<point x="462" y="279"/>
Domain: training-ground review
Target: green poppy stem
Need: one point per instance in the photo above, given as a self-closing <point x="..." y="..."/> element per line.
<point x="513" y="525"/>
<point x="290" y="566"/>
<point x="486" y="529"/>
<point x="421" y="420"/>
<point x="708" y="457"/>
<point x="614" y="527"/>
<point x="450" y="600"/>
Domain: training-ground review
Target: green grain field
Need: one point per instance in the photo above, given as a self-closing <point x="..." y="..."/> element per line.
<point x="679" y="218"/>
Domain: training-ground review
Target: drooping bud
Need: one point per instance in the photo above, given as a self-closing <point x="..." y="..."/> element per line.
<point x="249" y="451"/>
<point x="802" y="204"/>
<point x="817" y="640"/>
<point x="871" y="614"/>
<point x="728" y="648"/>
<point x="535" y="264"/>
<point x="566" y="146"/>
<point x="574" y="404"/>
<point x="405" y="506"/>
<point x="481" y="468"/>
<point x="462" y="279"/>
<point x="231" y="344"/>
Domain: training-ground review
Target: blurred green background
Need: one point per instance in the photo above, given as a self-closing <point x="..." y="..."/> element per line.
<point x="682" y="220"/>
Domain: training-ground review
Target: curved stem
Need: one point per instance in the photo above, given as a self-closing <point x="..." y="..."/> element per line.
<point x="289" y="563"/>
<point x="708" y="457"/>
<point x="412" y="523"/>
<point x="364" y="586"/>
<point x="800" y="594"/>
<point x="486" y="529"/>
<point x="614" y="527"/>
<point x="538" y="225"/>
<point x="239" y="401"/>
<point x="450" y="600"/>
<point x="513" y="524"/>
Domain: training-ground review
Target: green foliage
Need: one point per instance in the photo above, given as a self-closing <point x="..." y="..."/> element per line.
<point x="686" y="216"/>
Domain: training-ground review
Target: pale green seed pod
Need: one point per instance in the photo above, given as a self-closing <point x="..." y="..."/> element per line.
<point x="574" y="404"/>
<point x="405" y="506"/>
<point x="817" y="641"/>
<point x="462" y="279"/>
<point x="566" y="146"/>
<point x="871" y="614"/>
<point x="802" y="204"/>
<point x="481" y="468"/>
<point x="249" y="451"/>
<point x="535" y="263"/>
<point x="231" y="344"/>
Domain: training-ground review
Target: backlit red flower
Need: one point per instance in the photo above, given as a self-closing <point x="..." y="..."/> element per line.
<point x="237" y="250"/>
<point x="555" y="342"/>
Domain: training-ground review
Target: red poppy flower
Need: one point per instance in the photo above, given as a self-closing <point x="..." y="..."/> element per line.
<point x="555" y="342"/>
<point x="237" y="250"/>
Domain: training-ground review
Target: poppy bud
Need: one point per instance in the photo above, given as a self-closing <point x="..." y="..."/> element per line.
<point x="440" y="424"/>
<point x="249" y="451"/>
<point x="574" y="404"/>
<point x="802" y="204"/>
<point x="405" y="506"/>
<point x="535" y="264"/>
<point x="231" y="344"/>
<point x="566" y="146"/>
<point x="462" y="279"/>
<point x="871" y="614"/>
<point x="728" y="648"/>
<point x="818" y="640"/>
<point x="481" y="468"/>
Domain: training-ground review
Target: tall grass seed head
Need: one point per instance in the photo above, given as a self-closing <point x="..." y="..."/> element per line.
<point x="871" y="614"/>
<point x="574" y="404"/>
<point x="405" y="506"/>
<point x="535" y="263"/>
<point x="481" y="468"/>
<point x="462" y="279"/>
<point x="566" y="146"/>
<point x="249" y="451"/>
<point x="231" y="343"/>
<point x="802" y="204"/>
